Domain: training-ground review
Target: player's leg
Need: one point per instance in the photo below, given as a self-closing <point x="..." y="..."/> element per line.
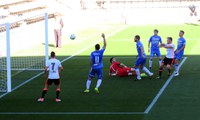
<point x="56" y="37"/>
<point x="112" y="74"/>
<point x="44" y="92"/>
<point x="57" y="83"/>
<point x="176" y="65"/>
<point x="130" y="71"/>
<point x="143" y="63"/>
<point x="99" y="81"/>
<point x="89" y="80"/>
<point x="145" y="69"/>
<point x="159" y="57"/>
<point x="151" y="59"/>
<point x="59" y="38"/>
<point x="161" y="68"/>
<point x="137" y="64"/>
<point x="124" y="72"/>
<point x="169" y="69"/>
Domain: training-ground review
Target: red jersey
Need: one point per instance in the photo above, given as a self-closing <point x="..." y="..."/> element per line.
<point x="114" y="67"/>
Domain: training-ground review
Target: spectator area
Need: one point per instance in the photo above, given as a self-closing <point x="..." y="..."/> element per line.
<point x="29" y="11"/>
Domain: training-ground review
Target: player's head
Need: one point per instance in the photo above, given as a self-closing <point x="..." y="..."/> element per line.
<point x="155" y="32"/>
<point x="53" y="55"/>
<point x="97" y="47"/>
<point x="181" y="33"/>
<point x="112" y="59"/>
<point x="169" y="40"/>
<point x="137" y="38"/>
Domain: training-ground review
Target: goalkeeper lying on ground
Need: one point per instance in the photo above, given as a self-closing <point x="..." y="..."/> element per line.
<point x="119" y="69"/>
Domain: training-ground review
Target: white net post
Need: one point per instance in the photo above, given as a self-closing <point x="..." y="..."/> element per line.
<point x="8" y="57"/>
<point x="46" y="38"/>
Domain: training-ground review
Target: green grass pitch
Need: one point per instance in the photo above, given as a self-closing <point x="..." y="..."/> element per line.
<point x="180" y="100"/>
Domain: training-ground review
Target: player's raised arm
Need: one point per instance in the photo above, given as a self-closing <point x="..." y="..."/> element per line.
<point x="104" y="40"/>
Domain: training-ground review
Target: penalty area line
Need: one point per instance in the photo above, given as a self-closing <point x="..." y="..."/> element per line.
<point x="162" y="89"/>
<point x="84" y="49"/>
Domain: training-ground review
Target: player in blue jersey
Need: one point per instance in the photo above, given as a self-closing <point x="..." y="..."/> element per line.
<point x="155" y="49"/>
<point x="141" y="59"/>
<point x="96" y="63"/>
<point x="179" y="52"/>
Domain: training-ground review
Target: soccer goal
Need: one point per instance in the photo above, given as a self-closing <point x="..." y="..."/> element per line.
<point x="23" y="49"/>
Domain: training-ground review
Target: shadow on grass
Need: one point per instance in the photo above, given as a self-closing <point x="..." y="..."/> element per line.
<point x="193" y="24"/>
<point x="50" y="45"/>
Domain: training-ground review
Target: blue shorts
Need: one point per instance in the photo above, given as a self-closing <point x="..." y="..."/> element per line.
<point x="99" y="73"/>
<point x="140" y="61"/>
<point x="153" y="52"/>
<point x="178" y="56"/>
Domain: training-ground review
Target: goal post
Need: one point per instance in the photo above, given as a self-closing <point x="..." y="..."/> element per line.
<point x="8" y="57"/>
<point x="24" y="50"/>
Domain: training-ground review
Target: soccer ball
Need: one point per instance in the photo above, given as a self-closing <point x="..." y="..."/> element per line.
<point x="72" y="36"/>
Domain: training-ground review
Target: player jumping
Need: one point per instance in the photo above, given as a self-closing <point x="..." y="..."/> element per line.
<point x="179" y="52"/>
<point x="154" y="41"/>
<point x="168" y="60"/>
<point x="96" y="66"/>
<point x="119" y="69"/>
<point x="141" y="59"/>
<point x="54" y="66"/>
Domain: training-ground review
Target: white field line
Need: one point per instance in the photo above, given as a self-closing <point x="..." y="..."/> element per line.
<point x="162" y="89"/>
<point x="71" y="113"/>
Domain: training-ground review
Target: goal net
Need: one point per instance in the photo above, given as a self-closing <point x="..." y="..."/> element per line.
<point x="24" y="49"/>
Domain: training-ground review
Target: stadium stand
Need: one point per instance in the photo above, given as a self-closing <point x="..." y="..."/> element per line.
<point x="24" y="10"/>
<point x="102" y="4"/>
<point x="8" y="3"/>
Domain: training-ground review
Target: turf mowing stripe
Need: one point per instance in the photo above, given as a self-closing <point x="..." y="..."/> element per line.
<point x="63" y="61"/>
<point x="162" y="89"/>
<point x="72" y="113"/>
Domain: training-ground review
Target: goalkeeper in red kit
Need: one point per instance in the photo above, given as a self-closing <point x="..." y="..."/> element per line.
<point x="119" y="69"/>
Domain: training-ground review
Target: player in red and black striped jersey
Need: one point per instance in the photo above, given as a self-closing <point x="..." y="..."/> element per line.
<point x="119" y="69"/>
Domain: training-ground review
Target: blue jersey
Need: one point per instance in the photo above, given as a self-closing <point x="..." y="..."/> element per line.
<point x="96" y="57"/>
<point x="181" y="43"/>
<point x="154" y="40"/>
<point x="139" y="47"/>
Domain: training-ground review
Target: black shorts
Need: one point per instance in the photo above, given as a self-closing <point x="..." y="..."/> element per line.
<point x="168" y="61"/>
<point x="55" y="81"/>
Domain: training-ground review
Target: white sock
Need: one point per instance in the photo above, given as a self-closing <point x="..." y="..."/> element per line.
<point x="146" y="71"/>
<point x="160" y="62"/>
<point x="150" y="62"/>
<point x="99" y="83"/>
<point x="130" y="73"/>
<point x="177" y="67"/>
<point x="138" y="73"/>
<point x="132" y="69"/>
<point x="88" y="84"/>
